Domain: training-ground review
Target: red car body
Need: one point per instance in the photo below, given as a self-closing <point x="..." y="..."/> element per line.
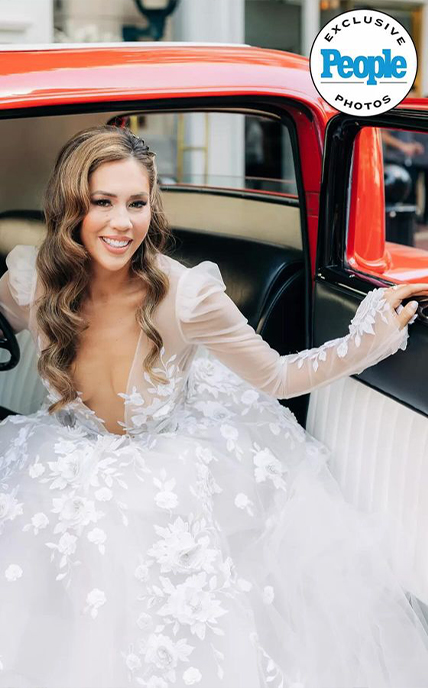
<point x="58" y="75"/>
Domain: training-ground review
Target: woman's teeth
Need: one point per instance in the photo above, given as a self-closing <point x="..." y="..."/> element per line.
<point x="118" y="244"/>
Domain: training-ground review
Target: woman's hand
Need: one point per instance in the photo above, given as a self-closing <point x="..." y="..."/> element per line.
<point x="394" y="295"/>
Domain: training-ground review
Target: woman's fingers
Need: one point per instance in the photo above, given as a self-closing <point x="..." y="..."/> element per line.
<point x="395" y="295"/>
<point x="406" y="314"/>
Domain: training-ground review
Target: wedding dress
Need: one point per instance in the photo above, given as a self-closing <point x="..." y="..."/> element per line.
<point x="209" y="545"/>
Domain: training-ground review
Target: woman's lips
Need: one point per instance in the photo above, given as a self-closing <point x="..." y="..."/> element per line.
<point x="115" y="249"/>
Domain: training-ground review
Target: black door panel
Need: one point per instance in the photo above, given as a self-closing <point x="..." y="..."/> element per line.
<point x="403" y="376"/>
<point x="338" y="290"/>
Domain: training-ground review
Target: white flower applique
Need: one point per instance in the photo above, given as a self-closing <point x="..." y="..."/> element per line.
<point x="362" y="322"/>
<point x="205" y="486"/>
<point x="166" y="498"/>
<point x="192" y="603"/>
<point x="249" y="400"/>
<point x="270" y="669"/>
<point x="365" y="317"/>
<point x="75" y="513"/>
<point x="231" y="435"/>
<point x="212" y="377"/>
<point x="205" y="454"/>
<point x="268" y="467"/>
<point x="16" y="456"/>
<point x="191" y="676"/>
<point x="38" y="522"/>
<point x="10" y="508"/>
<point x="268" y="594"/>
<point x="243" y="502"/>
<point x="183" y="547"/>
<point x="98" y="536"/>
<point x="79" y="468"/>
<point x="95" y="599"/>
<point x="13" y="572"/>
<point x="159" y="408"/>
<point x="36" y="469"/>
<point x="159" y="654"/>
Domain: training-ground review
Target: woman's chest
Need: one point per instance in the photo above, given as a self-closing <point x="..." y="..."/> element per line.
<point x="106" y="353"/>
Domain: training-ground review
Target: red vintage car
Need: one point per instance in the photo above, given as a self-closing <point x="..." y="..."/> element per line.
<point x="260" y="175"/>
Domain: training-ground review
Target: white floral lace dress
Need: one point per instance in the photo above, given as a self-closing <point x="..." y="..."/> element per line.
<point x="209" y="545"/>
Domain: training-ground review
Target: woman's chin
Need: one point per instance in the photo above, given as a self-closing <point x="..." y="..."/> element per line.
<point x="109" y="261"/>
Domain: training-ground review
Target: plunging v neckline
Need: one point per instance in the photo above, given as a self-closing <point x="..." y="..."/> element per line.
<point x="127" y="392"/>
<point x="90" y="411"/>
<point x="79" y="399"/>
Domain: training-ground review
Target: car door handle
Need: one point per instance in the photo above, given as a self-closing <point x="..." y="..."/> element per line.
<point x="423" y="310"/>
<point x="9" y="342"/>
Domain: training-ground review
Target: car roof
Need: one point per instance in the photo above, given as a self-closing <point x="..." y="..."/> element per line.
<point x="81" y="73"/>
<point x="36" y="75"/>
<point x="23" y="47"/>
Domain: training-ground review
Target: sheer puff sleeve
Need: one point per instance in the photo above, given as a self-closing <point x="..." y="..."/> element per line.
<point x="17" y="286"/>
<point x="208" y="317"/>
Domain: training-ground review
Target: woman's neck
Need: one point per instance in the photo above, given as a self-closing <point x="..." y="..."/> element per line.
<point x="106" y="285"/>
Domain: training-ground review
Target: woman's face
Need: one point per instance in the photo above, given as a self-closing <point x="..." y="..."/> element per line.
<point x="119" y="210"/>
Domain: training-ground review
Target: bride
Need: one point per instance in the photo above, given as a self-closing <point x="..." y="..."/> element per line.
<point x="164" y="520"/>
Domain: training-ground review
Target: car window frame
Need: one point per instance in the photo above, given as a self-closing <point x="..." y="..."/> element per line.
<point x="336" y="190"/>
<point x="285" y="108"/>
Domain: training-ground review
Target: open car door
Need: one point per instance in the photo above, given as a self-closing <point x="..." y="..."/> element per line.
<point x="374" y="423"/>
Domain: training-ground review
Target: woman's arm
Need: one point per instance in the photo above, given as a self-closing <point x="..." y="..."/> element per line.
<point x="14" y="314"/>
<point x="208" y="317"/>
<point x="17" y="286"/>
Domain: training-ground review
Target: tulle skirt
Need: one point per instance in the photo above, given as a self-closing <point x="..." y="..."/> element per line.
<point x="219" y="555"/>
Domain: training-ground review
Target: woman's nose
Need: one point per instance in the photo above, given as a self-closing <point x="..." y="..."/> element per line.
<point x="120" y="219"/>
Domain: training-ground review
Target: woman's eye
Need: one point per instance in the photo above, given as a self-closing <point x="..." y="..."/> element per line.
<point x="104" y="203"/>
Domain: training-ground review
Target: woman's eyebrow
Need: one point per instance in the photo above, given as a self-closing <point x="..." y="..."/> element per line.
<point x="106" y="193"/>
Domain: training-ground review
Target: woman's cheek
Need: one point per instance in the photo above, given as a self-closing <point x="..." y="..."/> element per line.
<point x="95" y="218"/>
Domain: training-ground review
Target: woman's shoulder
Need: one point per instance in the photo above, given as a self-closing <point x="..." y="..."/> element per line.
<point x="21" y="265"/>
<point x="177" y="267"/>
<point x="171" y="263"/>
<point x="22" y="252"/>
<point x="173" y="268"/>
<point x="193" y="285"/>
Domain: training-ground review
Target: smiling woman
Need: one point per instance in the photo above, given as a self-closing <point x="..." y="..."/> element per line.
<point x="116" y="219"/>
<point x="117" y="197"/>
<point x="207" y="543"/>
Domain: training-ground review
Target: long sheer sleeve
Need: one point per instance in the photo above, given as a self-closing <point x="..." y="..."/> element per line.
<point x="17" y="286"/>
<point x="207" y="316"/>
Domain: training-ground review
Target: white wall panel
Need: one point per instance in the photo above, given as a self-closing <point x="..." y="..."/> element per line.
<point x="379" y="456"/>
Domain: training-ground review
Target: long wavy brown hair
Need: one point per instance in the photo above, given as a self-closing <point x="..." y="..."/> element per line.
<point x="63" y="263"/>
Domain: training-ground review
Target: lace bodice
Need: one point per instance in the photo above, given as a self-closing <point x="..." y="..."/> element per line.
<point x="197" y="312"/>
